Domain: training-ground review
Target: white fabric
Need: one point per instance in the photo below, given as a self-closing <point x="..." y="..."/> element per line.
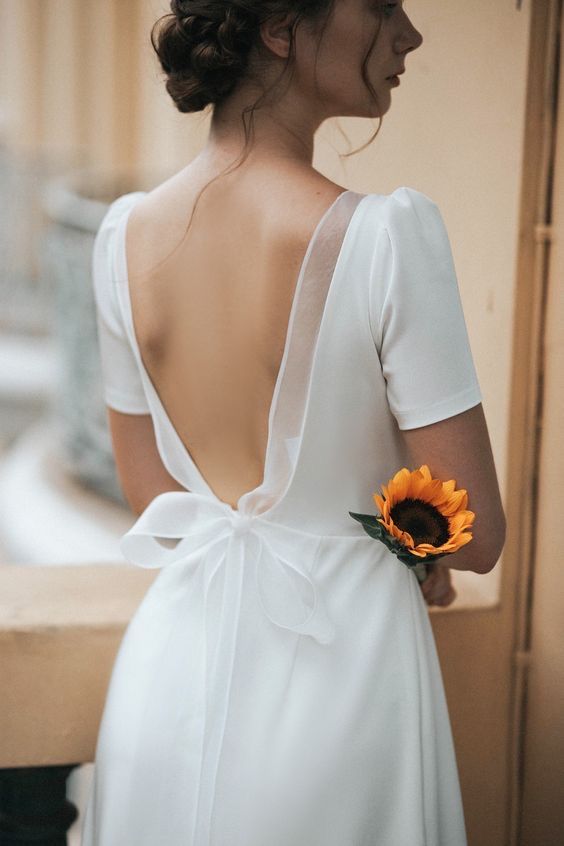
<point x="279" y="683"/>
<point x="417" y="314"/>
<point x="123" y="388"/>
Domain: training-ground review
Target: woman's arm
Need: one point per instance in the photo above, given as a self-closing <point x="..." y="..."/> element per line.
<point x="141" y="472"/>
<point x="459" y="448"/>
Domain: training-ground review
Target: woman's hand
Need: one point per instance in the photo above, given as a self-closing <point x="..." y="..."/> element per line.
<point x="437" y="588"/>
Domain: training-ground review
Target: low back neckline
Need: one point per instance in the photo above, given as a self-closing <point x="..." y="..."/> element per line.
<point x="301" y="290"/>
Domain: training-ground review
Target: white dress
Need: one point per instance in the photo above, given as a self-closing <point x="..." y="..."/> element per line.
<point x="279" y="684"/>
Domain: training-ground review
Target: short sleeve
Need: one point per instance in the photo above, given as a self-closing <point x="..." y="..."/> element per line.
<point x="122" y="384"/>
<point x="420" y="330"/>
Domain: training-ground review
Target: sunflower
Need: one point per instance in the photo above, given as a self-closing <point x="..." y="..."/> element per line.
<point x="426" y="515"/>
<point x="421" y="518"/>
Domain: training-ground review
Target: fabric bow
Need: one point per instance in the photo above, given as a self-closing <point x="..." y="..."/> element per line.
<point x="199" y="524"/>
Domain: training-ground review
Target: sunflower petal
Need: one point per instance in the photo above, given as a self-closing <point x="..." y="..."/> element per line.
<point x="407" y="540"/>
<point x="456" y="503"/>
<point x="396" y="532"/>
<point x="458" y="521"/>
<point x="426" y="547"/>
<point x="401" y="484"/>
<point x="418" y="553"/>
<point x="418" y="482"/>
<point x="379" y="502"/>
<point x="464" y="538"/>
<point x="432" y="492"/>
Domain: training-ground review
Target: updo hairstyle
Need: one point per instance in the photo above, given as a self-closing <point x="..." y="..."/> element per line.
<point x="204" y="46"/>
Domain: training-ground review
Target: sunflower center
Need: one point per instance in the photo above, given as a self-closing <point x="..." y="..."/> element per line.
<point x="423" y="521"/>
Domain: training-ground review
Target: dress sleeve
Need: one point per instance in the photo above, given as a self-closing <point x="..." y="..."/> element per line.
<point x="416" y="310"/>
<point x="122" y="385"/>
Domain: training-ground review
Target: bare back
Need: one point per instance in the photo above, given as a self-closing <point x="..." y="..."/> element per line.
<point x="211" y="311"/>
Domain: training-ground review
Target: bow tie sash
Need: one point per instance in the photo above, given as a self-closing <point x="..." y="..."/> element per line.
<point x="192" y="530"/>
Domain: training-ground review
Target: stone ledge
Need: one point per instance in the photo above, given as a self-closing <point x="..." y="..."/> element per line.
<point x="60" y="629"/>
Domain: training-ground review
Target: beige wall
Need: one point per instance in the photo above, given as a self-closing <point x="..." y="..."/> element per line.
<point x="21" y="61"/>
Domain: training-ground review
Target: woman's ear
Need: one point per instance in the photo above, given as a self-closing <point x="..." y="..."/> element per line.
<point x="275" y="34"/>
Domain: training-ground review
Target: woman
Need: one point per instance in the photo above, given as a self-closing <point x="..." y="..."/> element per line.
<point x="274" y="348"/>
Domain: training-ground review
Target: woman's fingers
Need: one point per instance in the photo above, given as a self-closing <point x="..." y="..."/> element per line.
<point x="446" y="599"/>
<point x="437" y="588"/>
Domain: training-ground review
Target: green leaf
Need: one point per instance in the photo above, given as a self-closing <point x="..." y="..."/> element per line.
<point x="370" y="525"/>
<point x="377" y="531"/>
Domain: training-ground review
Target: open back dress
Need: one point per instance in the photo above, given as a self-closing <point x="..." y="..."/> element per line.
<point x="279" y="683"/>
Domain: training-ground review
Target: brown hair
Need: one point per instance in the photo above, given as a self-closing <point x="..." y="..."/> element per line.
<point x="204" y="47"/>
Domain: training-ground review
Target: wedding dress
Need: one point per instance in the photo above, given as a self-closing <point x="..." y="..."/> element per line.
<point x="279" y="684"/>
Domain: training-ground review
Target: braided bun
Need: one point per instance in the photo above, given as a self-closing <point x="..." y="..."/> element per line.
<point x="203" y="47"/>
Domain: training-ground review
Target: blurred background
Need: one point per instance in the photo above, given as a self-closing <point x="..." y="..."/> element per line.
<point x="478" y="125"/>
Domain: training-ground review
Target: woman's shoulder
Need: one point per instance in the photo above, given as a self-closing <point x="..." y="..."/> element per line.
<point x="402" y="204"/>
<point x="406" y="216"/>
<point x="106" y="244"/>
<point x="119" y="206"/>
